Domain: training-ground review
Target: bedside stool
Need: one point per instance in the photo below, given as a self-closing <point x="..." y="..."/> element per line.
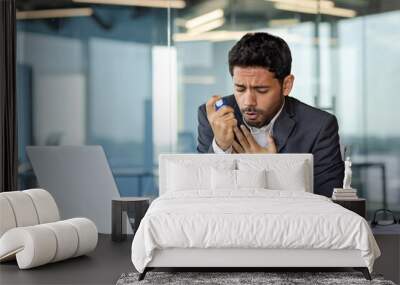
<point x="355" y="205"/>
<point x="134" y="207"/>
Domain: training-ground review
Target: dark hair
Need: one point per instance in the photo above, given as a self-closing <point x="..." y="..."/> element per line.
<point x="262" y="50"/>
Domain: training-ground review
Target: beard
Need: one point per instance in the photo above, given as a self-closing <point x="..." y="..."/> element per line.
<point x="254" y="117"/>
<point x="258" y="117"/>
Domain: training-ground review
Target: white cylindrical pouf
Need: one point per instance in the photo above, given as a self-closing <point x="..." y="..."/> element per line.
<point x="67" y="239"/>
<point x="45" y="205"/>
<point x="34" y="245"/>
<point x="23" y="207"/>
<point x="7" y="218"/>
<point x="87" y="233"/>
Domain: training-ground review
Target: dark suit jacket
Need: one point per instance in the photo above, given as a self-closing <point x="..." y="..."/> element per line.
<point x="299" y="128"/>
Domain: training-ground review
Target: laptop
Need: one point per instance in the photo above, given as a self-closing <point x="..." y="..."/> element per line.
<point x="80" y="180"/>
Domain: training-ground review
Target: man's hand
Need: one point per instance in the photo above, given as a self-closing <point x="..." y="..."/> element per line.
<point x="247" y="143"/>
<point x="222" y="123"/>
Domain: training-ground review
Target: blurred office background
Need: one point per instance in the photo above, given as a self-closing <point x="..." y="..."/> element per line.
<point x="130" y="74"/>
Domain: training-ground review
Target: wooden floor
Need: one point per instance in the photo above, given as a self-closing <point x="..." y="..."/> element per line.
<point x="102" y="266"/>
<point x="110" y="259"/>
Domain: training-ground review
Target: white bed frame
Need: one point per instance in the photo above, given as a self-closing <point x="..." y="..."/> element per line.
<point x="249" y="257"/>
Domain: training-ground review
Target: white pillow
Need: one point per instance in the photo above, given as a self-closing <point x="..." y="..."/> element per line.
<point x="223" y="179"/>
<point x="291" y="178"/>
<point x="228" y="179"/>
<point x="188" y="175"/>
<point x="281" y="174"/>
<point x="251" y="178"/>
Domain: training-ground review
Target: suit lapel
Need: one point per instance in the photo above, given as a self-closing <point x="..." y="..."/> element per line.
<point x="284" y="124"/>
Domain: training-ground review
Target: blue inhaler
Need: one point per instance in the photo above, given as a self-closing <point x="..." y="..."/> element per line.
<point x="219" y="104"/>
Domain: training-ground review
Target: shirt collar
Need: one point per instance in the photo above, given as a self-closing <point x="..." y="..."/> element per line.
<point x="267" y="127"/>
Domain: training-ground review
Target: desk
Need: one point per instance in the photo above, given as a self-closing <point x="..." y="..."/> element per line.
<point x="388" y="239"/>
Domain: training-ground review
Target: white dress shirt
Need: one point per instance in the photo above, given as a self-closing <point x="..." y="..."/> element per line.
<point x="259" y="134"/>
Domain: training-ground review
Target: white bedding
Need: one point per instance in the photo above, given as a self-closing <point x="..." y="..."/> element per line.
<point x="252" y="218"/>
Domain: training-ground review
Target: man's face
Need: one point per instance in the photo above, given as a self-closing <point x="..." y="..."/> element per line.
<point x="258" y="93"/>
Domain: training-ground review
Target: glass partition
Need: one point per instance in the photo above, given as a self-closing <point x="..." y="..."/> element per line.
<point x="85" y="77"/>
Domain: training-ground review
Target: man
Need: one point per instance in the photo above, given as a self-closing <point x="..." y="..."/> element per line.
<point x="262" y="118"/>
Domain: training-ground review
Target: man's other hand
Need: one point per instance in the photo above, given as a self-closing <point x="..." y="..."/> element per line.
<point x="247" y="144"/>
<point x="222" y="123"/>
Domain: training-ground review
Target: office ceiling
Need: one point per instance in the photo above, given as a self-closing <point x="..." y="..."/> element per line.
<point x="237" y="14"/>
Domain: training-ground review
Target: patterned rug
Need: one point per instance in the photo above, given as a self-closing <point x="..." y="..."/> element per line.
<point x="229" y="278"/>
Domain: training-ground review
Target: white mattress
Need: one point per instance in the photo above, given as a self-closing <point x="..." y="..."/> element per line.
<point x="253" y="218"/>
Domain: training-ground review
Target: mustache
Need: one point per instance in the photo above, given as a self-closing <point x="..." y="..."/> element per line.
<point x="251" y="110"/>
